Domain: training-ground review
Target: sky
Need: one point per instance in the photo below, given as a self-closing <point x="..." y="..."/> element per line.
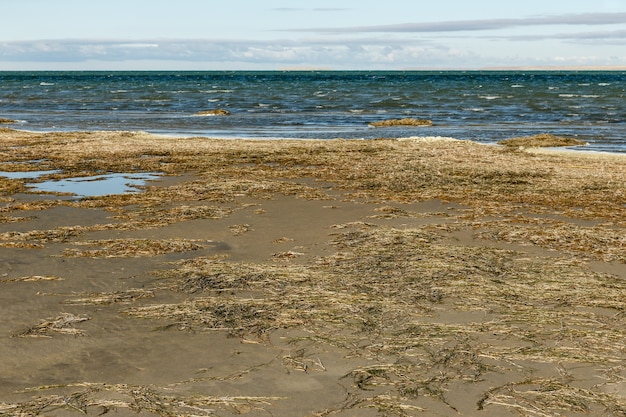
<point x="311" y="34"/>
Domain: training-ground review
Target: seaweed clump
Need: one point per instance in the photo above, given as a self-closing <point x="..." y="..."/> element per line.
<point x="544" y="140"/>
<point x="214" y="112"/>
<point x="402" y="122"/>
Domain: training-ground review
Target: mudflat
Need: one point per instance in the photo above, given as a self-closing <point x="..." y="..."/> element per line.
<point x="412" y="277"/>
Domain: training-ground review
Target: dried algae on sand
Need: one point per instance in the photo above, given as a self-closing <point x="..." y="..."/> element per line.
<point x="460" y="279"/>
<point x="542" y="141"/>
<point x="409" y="121"/>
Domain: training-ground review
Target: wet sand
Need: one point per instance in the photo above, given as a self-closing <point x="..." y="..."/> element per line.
<point x="283" y="278"/>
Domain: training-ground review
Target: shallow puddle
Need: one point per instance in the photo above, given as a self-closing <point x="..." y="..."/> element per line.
<point x="22" y="175"/>
<point x="97" y="185"/>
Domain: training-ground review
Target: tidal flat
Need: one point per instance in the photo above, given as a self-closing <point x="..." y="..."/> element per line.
<point x="390" y="277"/>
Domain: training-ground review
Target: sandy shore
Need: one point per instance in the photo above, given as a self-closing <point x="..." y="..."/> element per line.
<point x="312" y="278"/>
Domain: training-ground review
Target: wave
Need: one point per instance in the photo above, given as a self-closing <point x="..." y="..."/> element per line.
<point x="480" y="106"/>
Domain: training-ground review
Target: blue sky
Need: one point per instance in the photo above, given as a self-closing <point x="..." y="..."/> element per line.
<point x="298" y="34"/>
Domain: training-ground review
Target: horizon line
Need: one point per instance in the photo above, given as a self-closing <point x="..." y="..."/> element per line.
<point x="326" y="69"/>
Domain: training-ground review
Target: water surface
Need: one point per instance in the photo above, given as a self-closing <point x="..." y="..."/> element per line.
<point x="485" y="106"/>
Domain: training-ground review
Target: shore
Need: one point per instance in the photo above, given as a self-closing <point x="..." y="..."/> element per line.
<point x="311" y="278"/>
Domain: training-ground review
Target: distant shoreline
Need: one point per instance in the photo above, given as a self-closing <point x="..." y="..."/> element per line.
<point x="527" y="68"/>
<point x="558" y="68"/>
<point x="296" y="69"/>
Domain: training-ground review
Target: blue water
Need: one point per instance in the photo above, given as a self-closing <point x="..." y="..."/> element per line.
<point x="90" y="186"/>
<point x="484" y="106"/>
<point x="96" y="185"/>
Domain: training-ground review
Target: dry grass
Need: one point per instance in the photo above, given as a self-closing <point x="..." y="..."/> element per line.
<point x="37" y="238"/>
<point x="11" y="186"/>
<point x="32" y="278"/>
<point x="487" y="178"/>
<point x="549" y="397"/>
<point x="213" y="112"/>
<point x="13" y="219"/>
<point x="14" y="205"/>
<point x="605" y="243"/>
<point x="240" y="229"/>
<point x="544" y="140"/>
<point x="115" y="248"/>
<point x="106" y="298"/>
<point x="380" y="294"/>
<point x="62" y="324"/>
<point x="150" y="216"/>
<point x="100" y="399"/>
<point x="402" y="122"/>
<point x="433" y="316"/>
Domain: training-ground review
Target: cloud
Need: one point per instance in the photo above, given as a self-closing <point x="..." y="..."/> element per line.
<point x="317" y="9"/>
<point x="604" y="36"/>
<point x="136" y="45"/>
<point x="337" y="53"/>
<point x="330" y="9"/>
<point x="73" y="50"/>
<point x="480" y="24"/>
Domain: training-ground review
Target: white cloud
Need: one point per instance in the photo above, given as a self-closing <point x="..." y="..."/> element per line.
<point x="385" y="51"/>
<point x="136" y="45"/>
<point x="311" y="51"/>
